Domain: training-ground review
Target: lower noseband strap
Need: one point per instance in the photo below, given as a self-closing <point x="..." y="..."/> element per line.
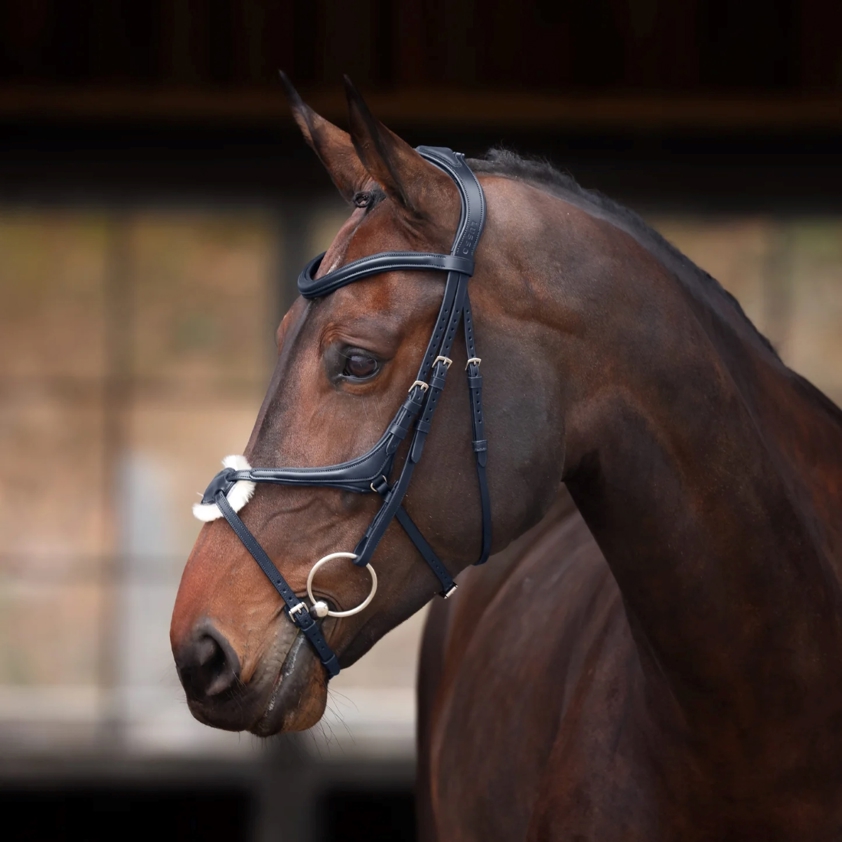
<point x="296" y="609"/>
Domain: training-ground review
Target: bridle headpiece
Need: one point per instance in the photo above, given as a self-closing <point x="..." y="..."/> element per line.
<point x="370" y="473"/>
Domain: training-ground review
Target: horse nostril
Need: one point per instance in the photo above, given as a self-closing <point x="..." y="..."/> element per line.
<point x="207" y="665"/>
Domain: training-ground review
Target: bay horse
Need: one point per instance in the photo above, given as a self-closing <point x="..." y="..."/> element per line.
<point x="654" y="651"/>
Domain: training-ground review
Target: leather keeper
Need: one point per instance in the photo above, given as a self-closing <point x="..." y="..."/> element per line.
<point x="438" y="381"/>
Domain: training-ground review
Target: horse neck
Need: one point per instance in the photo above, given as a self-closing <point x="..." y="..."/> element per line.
<point x="687" y="455"/>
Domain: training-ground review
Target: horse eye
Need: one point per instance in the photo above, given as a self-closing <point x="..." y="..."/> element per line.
<point x="360" y="366"/>
<point x="362" y="199"/>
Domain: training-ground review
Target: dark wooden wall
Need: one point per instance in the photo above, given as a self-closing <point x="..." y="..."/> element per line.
<point x="650" y="46"/>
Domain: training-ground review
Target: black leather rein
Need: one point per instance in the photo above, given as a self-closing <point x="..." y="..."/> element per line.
<point x="371" y="472"/>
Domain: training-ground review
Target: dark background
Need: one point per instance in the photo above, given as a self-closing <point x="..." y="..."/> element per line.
<point x="700" y="96"/>
<point x="715" y="47"/>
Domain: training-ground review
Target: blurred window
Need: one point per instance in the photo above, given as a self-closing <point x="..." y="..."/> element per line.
<point x="135" y="348"/>
<point x="134" y="351"/>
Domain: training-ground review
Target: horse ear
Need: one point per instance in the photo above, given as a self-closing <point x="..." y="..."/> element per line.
<point x="330" y="143"/>
<point x="412" y="182"/>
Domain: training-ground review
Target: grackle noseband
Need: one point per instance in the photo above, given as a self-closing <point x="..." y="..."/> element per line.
<point x="369" y="473"/>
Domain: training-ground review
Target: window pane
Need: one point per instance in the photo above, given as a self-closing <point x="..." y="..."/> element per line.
<point x="203" y="302"/>
<point x="49" y="633"/>
<point x="52" y="507"/>
<point x="814" y="341"/>
<point x="52" y="269"/>
<point x="172" y="452"/>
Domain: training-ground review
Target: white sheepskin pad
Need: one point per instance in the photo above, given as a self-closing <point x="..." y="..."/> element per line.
<point x="238" y="496"/>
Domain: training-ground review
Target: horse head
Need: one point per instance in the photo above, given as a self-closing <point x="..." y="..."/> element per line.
<point x="345" y="362"/>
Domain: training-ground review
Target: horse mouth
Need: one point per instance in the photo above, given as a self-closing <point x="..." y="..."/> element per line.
<point x="294" y="702"/>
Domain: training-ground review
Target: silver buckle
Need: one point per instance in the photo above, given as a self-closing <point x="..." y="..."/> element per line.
<point x="293" y="611"/>
<point x="451" y="591"/>
<point x="421" y="384"/>
<point x="446" y="360"/>
<point x="476" y="360"/>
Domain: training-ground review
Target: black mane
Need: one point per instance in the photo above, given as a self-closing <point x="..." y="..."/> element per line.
<point x="542" y="173"/>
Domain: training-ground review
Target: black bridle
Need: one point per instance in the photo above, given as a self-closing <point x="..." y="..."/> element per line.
<point x="371" y="471"/>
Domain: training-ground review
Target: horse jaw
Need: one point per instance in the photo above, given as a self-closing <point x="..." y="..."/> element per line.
<point x="299" y="694"/>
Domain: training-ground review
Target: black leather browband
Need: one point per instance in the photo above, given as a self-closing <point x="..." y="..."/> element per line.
<point x="370" y="472"/>
<point x="393" y="261"/>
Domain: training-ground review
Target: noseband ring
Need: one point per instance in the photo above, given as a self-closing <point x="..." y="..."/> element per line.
<point x="319" y="607"/>
<point x="377" y="471"/>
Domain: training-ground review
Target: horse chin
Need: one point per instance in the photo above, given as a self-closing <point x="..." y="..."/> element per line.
<point x="299" y="693"/>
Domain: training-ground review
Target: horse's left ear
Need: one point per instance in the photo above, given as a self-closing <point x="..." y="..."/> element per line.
<point x="413" y="183"/>
<point x="330" y="143"/>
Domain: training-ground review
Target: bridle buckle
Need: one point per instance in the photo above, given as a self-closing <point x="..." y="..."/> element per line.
<point x="293" y="611"/>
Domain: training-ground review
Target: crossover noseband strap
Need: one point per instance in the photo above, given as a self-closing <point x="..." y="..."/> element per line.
<point x="370" y="473"/>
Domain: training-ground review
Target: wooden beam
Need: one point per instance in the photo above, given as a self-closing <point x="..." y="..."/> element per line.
<point x="436" y="108"/>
